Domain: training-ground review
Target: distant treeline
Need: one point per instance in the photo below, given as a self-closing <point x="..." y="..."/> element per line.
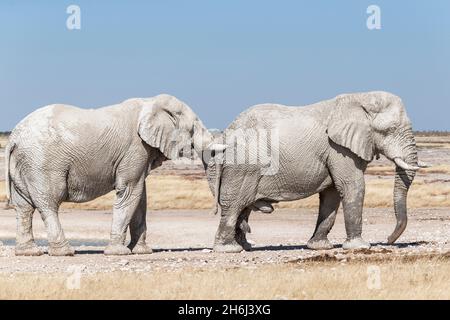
<point x="432" y="133"/>
<point x="5" y="133"/>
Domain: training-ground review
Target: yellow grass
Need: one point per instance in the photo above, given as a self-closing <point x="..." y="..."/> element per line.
<point x="181" y="192"/>
<point x="164" y="192"/>
<point x="417" y="279"/>
<point x="3" y="141"/>
<point x="390" y="170"/>
<point x="433" y="142"/>
<point x="379" y="195"/>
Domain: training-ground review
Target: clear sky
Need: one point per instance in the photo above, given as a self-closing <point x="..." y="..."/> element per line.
<point x="223" y="56"/>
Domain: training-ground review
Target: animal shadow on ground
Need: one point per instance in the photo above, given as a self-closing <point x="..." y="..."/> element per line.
<point x="281" y="247"/>
<point x="103" y="243"/>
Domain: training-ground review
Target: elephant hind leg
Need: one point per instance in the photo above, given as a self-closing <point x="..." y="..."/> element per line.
<point x="242" y="228"/>
<point x="25" y="245"/>
<point x="329" y="204"/>
<point x="226" y="236"/>
<point x="58" y="245"/>
<point x="47" y="197"/>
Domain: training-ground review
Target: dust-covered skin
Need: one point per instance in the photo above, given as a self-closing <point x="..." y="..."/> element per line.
<point x="62" y="153"/>
<point x="322" y="148"/>
<point x="182" y="240"/>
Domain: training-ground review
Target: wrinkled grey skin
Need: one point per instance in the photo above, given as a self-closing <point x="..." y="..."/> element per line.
<point x="323" y="148"/>
<point x="61" y="153"/>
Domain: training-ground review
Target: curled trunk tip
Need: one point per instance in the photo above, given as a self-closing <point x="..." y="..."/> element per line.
<point x="399" y="228"/>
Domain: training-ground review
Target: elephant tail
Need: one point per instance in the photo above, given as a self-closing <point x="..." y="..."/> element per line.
<point x="217" y="183"/>
<point x="8" y="151"/>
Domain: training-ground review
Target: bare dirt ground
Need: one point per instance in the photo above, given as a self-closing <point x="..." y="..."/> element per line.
<point x="184" y="238"/>
<point x="279" y="267"/>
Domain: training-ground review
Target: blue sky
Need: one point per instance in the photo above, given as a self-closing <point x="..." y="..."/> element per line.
<point x="223" y="56"/>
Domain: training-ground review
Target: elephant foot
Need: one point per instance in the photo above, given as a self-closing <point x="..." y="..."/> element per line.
<point x="28" y="249"/>
<point x="60" y="250"/>
<point x="355" y="243"/>
<point x="319" y="244"/>
<point x="117" y="250"/>
<point x="228" y="248"/>
<point x="241" y="240"/>
<point x="247" y="246"/>
<point x="142" y="249"/>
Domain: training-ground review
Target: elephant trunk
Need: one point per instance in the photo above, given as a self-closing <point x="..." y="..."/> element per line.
<point x="405" y="172"/>
<point x="203" y="140"/>
<point x="213" y="164"/>
<point x="211" y="153"/>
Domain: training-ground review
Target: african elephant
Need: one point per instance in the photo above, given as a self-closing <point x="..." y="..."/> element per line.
<point x="321" y="148"/>
<point x="61" y="153"/>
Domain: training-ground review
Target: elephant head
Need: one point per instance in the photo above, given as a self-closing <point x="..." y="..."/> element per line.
<point x="376" y="123"/>
<point x="169" y="125"/>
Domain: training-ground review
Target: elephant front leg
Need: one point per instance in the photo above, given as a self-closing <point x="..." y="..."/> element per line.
<point x="225" y="240"/>
<point x="138" y="228"/>
<point x="127" y="203"/>
<point x="353" y="200"/>
<point x="329" y="205"/>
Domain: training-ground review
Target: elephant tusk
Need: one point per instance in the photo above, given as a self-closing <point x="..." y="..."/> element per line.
<point x="422" y="164"/>
<point x="402" y="164"/>
<point x="217" y="147"/>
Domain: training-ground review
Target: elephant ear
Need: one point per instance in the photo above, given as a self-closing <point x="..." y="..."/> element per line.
<point x="349" y="125"/>
<point x="159" y="124"/>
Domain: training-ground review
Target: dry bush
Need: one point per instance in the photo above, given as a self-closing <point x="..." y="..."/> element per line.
<point x="399" y="279"/>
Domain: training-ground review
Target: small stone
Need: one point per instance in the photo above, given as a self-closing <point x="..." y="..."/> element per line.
<point x="123" y="262"/>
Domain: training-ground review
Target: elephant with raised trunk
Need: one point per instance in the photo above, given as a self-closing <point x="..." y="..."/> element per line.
<point x="61" y="153"/>
<point x="321" y="148"/>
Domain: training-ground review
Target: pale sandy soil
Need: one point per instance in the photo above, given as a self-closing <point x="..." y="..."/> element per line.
<point x="184" y="239"/>
<point x="279" y="267"/>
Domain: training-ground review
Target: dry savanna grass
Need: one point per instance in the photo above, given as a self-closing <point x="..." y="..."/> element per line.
<point x="422" y="278"/>
<point x="3" y="141"/>
<point x="433" y="141"/>
<point x="379" y="195"/>
<point x="187" y="192"/>
<point x="390" y="170"/>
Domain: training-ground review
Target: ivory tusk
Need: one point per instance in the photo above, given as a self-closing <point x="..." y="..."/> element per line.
<point x="217" y="146"/>
<point x="422" y="164"/>
<point x="402" y="164"/>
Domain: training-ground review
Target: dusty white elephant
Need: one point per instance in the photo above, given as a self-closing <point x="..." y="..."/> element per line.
<point x="321" y="148"/>
<point x="61" y="153"/>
